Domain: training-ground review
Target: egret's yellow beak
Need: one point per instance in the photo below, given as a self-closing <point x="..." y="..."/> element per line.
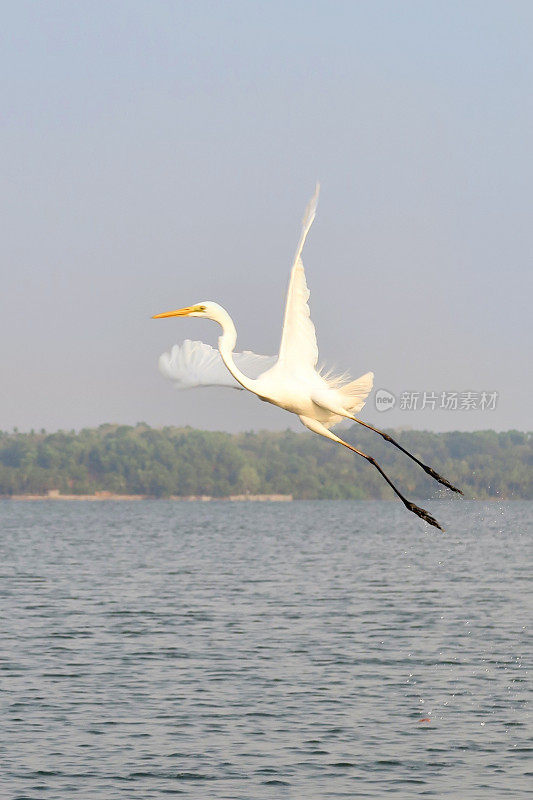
<point x="180" y="312"/>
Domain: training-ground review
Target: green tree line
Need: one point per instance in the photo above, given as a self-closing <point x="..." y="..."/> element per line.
<point x="183" y="461"/>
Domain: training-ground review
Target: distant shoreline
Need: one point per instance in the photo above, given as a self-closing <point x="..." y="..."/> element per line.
<point x="103" y="496"/>
<point x="120" y="462"/>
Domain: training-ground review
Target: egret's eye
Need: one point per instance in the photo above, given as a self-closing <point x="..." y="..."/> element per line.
<point x="201" y="308"/>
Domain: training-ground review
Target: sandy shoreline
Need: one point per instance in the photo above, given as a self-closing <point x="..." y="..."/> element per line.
<point x="102" y="496"/>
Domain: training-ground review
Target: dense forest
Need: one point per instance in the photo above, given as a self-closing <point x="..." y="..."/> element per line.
<point x="182" y="461"/>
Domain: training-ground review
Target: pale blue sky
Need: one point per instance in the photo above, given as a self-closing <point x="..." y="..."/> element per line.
<point x="155" y="154"/>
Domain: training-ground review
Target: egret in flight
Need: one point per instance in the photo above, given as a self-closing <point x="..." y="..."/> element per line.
<point x="289" y="380"/>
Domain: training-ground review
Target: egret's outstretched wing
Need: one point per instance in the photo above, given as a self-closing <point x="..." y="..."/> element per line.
<point x="298" y="350"/>
<point x="194" y="364"/>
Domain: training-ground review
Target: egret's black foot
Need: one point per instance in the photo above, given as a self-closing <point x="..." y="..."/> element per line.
<point x="442" y="480"/>
<point x="423" y="514"/>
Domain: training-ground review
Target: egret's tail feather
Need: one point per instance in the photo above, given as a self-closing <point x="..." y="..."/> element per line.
<point x="355" y="393"/>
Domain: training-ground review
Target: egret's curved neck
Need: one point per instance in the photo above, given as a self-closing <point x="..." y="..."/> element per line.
<point x="226" y="346"/>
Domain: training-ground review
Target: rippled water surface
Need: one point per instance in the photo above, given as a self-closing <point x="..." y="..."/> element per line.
<point x="263" y="650"/>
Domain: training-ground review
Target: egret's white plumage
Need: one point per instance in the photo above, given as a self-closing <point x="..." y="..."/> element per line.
<point x="289" y="380"/>
<point x="193" y="364"/>
<point x="298" y="351"/>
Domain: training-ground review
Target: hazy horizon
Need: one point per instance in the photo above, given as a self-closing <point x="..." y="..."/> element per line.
<point x="156" y="154"/>
<point x="295" y="429"/>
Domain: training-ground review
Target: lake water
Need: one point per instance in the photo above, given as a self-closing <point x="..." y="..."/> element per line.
<point x="263" y="650"/>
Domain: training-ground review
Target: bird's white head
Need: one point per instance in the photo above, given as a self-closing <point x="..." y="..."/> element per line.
<point x="207" y="309"/>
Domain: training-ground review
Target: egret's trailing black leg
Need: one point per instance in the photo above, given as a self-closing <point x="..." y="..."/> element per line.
<point x="429" y="470"/>
<point x="420" y="512"/>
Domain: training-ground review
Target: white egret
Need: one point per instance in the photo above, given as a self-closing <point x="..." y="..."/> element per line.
<point x="289" y="380"/>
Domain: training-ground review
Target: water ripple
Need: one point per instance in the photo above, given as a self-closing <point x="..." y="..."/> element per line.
<point x="248" y="651"/>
